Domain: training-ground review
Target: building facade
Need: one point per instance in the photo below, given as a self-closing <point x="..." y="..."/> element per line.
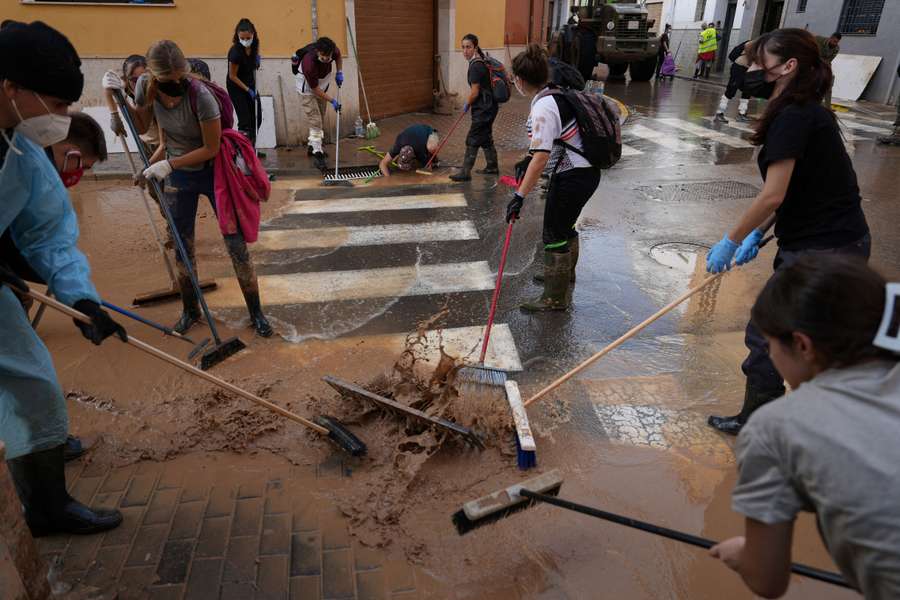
<point x="402" y="43"/>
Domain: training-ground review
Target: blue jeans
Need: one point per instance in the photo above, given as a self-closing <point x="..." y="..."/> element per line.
<point x="182" y="204"/>
<point x="761" y="373"/>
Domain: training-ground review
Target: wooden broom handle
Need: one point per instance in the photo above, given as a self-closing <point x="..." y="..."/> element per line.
<point x="182" y="365"/>
<point x="631" y="333"/>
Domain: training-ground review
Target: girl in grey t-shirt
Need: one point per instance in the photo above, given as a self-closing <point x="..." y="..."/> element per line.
<point x="831" y="445"/>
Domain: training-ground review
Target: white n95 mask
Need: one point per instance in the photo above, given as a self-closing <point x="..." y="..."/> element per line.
<point x="43" y="130"/>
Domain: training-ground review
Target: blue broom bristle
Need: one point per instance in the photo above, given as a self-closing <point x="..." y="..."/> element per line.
<point x="526" y="459"/>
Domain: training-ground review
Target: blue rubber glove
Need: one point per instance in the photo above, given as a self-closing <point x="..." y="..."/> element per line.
<point x="339" y="78"/>
<point x="720" y="255"/>
<point x="749" y="248"/>
<point x="252" y="93"/>
<point x="336" y="104"/>
<point x="465" y="108"/>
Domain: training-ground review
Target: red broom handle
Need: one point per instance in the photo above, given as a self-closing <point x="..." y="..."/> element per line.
<point x="444" y="141"/>
<point x="490" y="323"/>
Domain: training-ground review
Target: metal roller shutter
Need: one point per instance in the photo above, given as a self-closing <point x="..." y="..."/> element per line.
<point x="396" y="54"/>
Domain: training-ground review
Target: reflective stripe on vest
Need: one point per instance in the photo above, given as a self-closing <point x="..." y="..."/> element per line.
<point x="707" y="41"/>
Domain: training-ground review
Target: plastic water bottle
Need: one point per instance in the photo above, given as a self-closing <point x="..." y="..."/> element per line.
<point x="358" y="128"/>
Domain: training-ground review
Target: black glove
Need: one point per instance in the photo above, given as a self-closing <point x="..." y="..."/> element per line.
<point x="522" y="167"/>
<point x="514" y="207"/>
<point x="101" y="325"/>
<point x="16" y="283"/>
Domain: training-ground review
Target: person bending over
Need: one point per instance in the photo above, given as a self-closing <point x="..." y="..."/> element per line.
<point x="412" y="148"/>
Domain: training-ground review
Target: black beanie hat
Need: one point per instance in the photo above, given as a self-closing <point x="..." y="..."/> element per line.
<point x="41" y="59"/>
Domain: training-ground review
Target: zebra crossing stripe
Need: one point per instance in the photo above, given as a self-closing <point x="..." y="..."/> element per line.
<point x="371" y="235"/>
<point x="630" y="150"/>
<point x="854" y="124"/>
<point x="733" y="124"/>
<point x="344" y="205"/>
<point x="330" y="286"/>
<point x="665" y="140"/>
<point x="704" y="132"/>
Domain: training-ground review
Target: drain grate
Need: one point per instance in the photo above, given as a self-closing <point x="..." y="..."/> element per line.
<point x="702" y="191"/>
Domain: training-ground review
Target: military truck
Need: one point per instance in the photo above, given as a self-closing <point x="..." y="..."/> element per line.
<point x="617" y="32"/>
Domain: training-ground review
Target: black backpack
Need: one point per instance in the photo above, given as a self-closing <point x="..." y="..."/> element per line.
<point x="564" y="75"/>
<point x="598" y="123"/>
<point x="500" y="84"/>
<point x="297" y="58"/>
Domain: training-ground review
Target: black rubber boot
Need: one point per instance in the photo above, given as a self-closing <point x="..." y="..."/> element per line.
<point x="319" y="159"/>
<point x="557" y="295"/>
<point x="40" y="481"/>
<point x="720" y="118"/>
<point x="575" y="250"/>
<point x="892" y="140"/>
<point x="465" y="172"/>
<point x="753" y="399"/>
<point x="73" y="448"/>
<point x="190" y="306"/>
<point x="492" y="166"/>
<point x="246" y="276"/>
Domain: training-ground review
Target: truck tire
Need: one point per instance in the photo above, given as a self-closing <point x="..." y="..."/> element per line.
<point x="617" y="70"/>
<point x="644" y="70"/>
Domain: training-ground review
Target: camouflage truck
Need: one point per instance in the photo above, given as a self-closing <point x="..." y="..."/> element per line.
<point x="615" y="33"/>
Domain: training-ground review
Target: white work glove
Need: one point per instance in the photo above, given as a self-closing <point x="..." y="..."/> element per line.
<point x="159" y="170"/>
<point x="112" y="81"/>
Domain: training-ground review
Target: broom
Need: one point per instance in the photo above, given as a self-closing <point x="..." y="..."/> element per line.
<point x="372" y="131"/>
<point x="546" y="488"/>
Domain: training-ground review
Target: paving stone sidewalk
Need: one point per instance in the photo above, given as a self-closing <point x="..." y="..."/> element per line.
<point x="223" y="526"/>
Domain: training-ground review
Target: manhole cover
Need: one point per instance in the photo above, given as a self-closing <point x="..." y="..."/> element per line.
<point x="681" y="256"/>
<point x="702" y="191"/>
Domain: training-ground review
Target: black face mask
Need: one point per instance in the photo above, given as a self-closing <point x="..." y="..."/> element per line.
<point x="174" y="89"/>
<point x="756" y="86"/>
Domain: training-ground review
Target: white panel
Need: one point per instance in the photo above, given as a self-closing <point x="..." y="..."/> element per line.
<point x="852" y="73"/>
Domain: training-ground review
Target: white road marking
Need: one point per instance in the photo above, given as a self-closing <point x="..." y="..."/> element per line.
<point x="330" y="286"/>
<point x="630" y="150"/>
<point x="665" y="140"/>
<point x="466" y="342"/>
<point x="371" y="235"/>
<point x="734" y="124"/>
<point x="704" y="132"/>
<point x="344" y="205"/>
<point x="854" y="124"/>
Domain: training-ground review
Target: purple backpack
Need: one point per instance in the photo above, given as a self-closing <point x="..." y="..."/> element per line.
<point x="226" y="108"/>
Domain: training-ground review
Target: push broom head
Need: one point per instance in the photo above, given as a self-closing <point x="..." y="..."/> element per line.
<point x="480" y="375"/>
<point x="341" y="436"/>
<point x="499" y="505"/>
<point x="372" y="131"/>
<point x="220" y="352"/>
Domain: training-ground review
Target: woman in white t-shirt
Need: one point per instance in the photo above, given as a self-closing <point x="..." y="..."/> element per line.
<point x="831" y="445"/>
<point x="555" y="151"/>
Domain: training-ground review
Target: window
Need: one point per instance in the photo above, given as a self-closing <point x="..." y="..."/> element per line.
<point x="861" y="17"/>
<point x="801" y="6"/>
<point x="701" y="8"/>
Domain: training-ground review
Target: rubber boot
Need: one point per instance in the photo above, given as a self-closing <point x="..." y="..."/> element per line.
<point x="246" y="276"/>
<point x="190" y="305"/>
<point x="720" y="118"/>
<point x="465" y="172"/>
<point x="753" y="399"/>
<point x="893" y="139"/>
<point x="492" y="166"/>
<point x="575" y="250"/>
<point x="40" y="482"/>
<point x="556" y="296"/>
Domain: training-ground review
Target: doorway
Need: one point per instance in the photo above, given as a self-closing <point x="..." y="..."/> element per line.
<point x="726" y="34"/>
<point x="772" y="17"/>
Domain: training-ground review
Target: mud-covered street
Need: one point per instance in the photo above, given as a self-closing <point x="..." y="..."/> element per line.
<point x="347" y="275"/>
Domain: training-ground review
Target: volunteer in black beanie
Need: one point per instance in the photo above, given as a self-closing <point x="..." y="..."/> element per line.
<point x="39" y="58"/>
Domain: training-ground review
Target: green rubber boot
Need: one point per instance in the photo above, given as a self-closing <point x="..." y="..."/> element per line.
<point x="574" y="248"/>
<point x="557" y="294"/>
<point x="465" y="172"/>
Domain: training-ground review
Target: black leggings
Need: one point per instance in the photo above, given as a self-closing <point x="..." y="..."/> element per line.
<point x="244" y="107"/>
<point x="736" y="81"/>
<point x="567" y="193"/>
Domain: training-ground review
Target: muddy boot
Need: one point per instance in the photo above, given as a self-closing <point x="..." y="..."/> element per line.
<point x="40" y="482"/>
<point x="190" y="306"/>
<point x="893" y="139"/>
<point x="574" y="249"/>
<point x="753" y="399"/>
<point x="319" y="161"/>
<point x="246" y="276"/>
<point x="491" y="167"/>
<point x="465" y="172"/>
<point x="556" y="296"/>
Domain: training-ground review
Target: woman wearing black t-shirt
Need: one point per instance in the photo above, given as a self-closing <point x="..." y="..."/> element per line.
<point x="810" y="190"/>
<point x="243" y="62"/>
<point x="484" y="110"/>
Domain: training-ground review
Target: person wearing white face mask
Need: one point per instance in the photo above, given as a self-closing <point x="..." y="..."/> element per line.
<point x="311" y="66"/>
<point x="243" y="62"/>
<point x="555" y="150"/>
<point x="36" y="89"/>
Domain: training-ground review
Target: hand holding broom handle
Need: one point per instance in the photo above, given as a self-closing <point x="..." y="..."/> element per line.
<point x="631" y="333"/>
<point x="443" y="141"/>
<point x="67" y="310"/>
<point x="806" y="571"/>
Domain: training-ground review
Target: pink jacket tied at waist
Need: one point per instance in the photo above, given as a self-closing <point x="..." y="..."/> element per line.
<point x="241" y="184"/>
